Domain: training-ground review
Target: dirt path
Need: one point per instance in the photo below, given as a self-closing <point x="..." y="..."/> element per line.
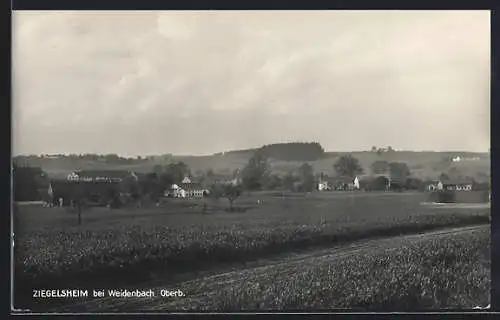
<point x="199" y="289"/>
<point x="436" y="205"/>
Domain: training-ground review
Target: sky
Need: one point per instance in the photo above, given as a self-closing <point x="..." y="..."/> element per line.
<point x="199" y="82"/>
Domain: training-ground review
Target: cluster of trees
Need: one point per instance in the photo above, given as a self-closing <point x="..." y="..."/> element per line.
<point x="110" y="158"/>
<point x="27" y="182"/>
<point x="153" y="184"/>
<point x="293" y="151"/>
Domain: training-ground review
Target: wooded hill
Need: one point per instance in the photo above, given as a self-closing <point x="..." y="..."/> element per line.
<point x="283" y="158"/>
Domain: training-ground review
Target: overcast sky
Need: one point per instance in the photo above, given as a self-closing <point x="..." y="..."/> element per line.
<point x="202" y="82"/>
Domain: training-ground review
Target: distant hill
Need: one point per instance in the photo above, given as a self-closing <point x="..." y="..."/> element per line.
<point x="423" y="164"/>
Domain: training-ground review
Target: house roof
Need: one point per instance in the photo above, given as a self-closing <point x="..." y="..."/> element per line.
<point x="190" y="186"/>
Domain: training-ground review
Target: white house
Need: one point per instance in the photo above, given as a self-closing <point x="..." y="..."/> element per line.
<point x="356" y="183"/>
<point x="323" y="185"/>
<point x="186" y="190"/>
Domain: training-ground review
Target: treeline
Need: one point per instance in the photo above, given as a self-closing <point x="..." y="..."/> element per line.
<point x="28" y="182"/>
<point x="106" y="158"/>
<point x="293" y="151"/>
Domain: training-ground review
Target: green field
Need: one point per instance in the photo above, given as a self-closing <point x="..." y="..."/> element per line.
<point x="112" y="245"/>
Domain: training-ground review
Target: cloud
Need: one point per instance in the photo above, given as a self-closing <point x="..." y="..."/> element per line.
<point x="140" y="78"/>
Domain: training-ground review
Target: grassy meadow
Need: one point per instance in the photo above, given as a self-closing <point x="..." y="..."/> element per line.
<point x="137" y="244"/>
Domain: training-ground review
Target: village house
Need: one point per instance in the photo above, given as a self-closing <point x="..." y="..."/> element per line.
<point x="457" y="184"/>
<point x="186" y="189"/>
<point x="338" y="183"/>
<point x="452" y="185"/>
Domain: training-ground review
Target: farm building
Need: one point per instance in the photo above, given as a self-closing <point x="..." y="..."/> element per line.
<point x="435" y="185"/>
<point x="459" y="191"/>
<point x="101" y="175"/>
<point x="452" y="185"/>
<point x="457" y="184"/>
<point x="338" y="183"/>
<point x="186" y="189"/>
<point x="323" y="186"/>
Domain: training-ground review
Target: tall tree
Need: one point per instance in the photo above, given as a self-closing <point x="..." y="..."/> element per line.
<point x="306" y="175"/>
<point x="228" y="191"/>
<point x="177" y="171"/>
<point x="399" y="170"/>
<point x="347" y="166"/>
<point x="288" y="181"/>
<point x="26" y="182"/>
<point x="380" y="167"/>
<point x="399" y="173"/>
<point x="210" y="173"/>
<point x="443" y="177"/>
<point x="274" y="182"/>
<point x="158" y="169"/>
<point x="256" y="172"/>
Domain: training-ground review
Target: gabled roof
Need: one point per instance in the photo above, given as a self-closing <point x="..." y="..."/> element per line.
<point x="190" y="186"/>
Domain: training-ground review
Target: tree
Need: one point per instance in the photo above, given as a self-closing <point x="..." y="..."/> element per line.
<point x="294" y="151"/>
<point x="166" y="180"/>
<point x="177" y="171"/>
<point x="380" y="167"/>
<point x="390" y="149"/>
<point x="78" y="199"/>
<point x="158" y="169"/>
<point x="256" y="172"/>
<point x="380" y="183"/>
<point x="288" y="181"/>
<point x="229" y="191"/>
<point x="27" y="181"/>
<point x="443" y="177"/>
<point x="306" y="175"/>
<point x="454" y="172"/>
<point x="399" y="173"/>
<point x="130" y="186"/>
<point x="414" y="184"/>
<point x="374" y="149"/>
<point x="399" y="170"/>
<point x="347" y="166"/>
<point x="150" y="186"/>
<point x="274" y="182"/>
<point x="210" y="173"/>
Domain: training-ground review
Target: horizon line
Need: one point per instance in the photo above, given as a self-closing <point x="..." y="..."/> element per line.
<point x="230" y="151"/>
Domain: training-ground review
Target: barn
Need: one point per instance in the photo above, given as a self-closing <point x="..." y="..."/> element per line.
<point x="458" y="191"/>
